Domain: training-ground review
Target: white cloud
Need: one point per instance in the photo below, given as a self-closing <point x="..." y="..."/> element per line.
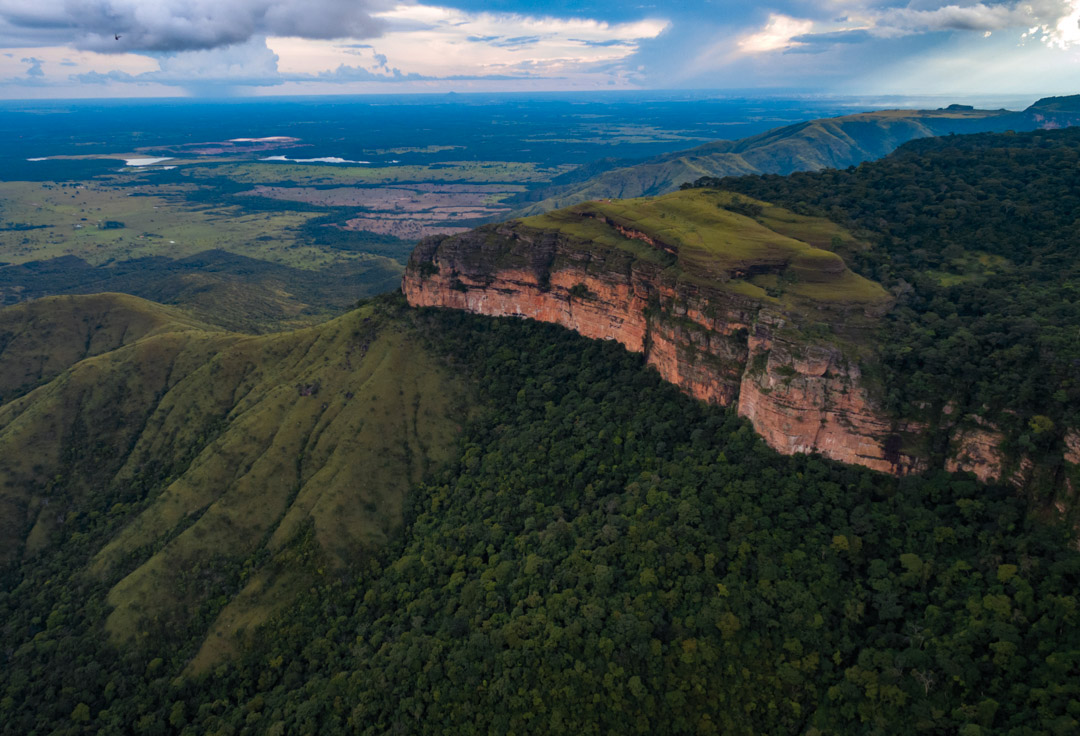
<point x="437" y="42"/>
<point x="1065" y="31"/>
<point x="58" y="62"/>
<point x="1055" y="22"/>
<point x="776" y="35"/>
<point x="422" y="45"/>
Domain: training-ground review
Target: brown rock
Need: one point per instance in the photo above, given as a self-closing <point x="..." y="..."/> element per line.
<point x="1072" y="446"/>
<point x="716" y="344"/>
<point x="800" y="397"/>
<point x="976" y="450"/>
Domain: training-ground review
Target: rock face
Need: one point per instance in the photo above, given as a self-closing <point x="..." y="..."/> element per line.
<point x="1072" y="447"/>
<point x="714" y="343"/>
<point x="977" y="450"/>
<point x="796" y="370"/>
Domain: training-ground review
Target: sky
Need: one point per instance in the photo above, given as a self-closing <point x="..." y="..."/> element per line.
<point x="148" y="48"/>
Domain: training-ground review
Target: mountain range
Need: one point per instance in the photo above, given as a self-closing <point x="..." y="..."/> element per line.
<point x="818" y="144"/>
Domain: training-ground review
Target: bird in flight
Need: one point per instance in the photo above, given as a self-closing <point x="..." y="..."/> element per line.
<point x="116" y="36"/>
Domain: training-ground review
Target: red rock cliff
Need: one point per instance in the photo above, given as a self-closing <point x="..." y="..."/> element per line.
<point x="714" y="343"/>
<point x="795" y="373"/>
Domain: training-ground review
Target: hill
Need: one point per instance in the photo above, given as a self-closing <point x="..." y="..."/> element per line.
<point x="226" y="290"/>
<point x="976" y="235"/>
<point x="209" y="455"/>
<point x="819" y="144"/>
<point x="41" y="339"/>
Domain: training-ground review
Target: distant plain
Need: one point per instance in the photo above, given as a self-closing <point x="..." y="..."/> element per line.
<point x="207" y="222"/>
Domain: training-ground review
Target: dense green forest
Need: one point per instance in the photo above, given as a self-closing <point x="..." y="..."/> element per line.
<point x="604" y="555"/>
<point x="978" y="238"/>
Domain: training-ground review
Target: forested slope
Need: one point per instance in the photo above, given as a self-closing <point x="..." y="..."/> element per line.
<point x="977" y="237"/>
<point x="176" y="471"/>
<point x="601" y="554"/>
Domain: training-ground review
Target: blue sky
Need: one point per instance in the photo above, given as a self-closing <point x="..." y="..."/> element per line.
<point x="120" y="48"/>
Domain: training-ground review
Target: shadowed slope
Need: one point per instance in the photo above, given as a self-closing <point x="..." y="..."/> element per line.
<point x="221" y="452"/>
<point x="40" y="339"/>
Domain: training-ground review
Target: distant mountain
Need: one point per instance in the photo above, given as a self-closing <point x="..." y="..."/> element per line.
<point x="819" y="144"/>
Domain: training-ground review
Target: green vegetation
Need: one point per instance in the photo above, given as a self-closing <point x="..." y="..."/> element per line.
<point x="977" y="237"/>
<point x="219" y="288"/>
<point x="715" y="238"/>
<point x="42" y="338"/>
<point x="601" y="554"/>
<point x="188" y="464"/>
<point x="75" y="221"/>
<point x="406" y="521"/>
<point x="184" y="235"/>
<point x="447" y="171"/>
<point x="828" y="143"/>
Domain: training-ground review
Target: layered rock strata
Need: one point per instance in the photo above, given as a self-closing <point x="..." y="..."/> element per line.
<point x="713" y="342"/>
<point x="734" y="309"/>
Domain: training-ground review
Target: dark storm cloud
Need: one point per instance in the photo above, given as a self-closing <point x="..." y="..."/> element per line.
<point x="186" y="25"/>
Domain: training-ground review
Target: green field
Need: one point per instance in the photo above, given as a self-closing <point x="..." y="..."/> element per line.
<point x="190" y="233"/>
<point x="156" y="221"/>
<point x="473" y="172"/>
<point x="720" y="239"/>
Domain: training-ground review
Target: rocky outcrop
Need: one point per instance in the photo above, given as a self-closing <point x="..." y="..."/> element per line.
<point x="714" y="343"/>
<point x="810" y="398"/>
<point x="800" y="381"/>
<point x="1072" y="447"/>
<point x="977" y="450"/>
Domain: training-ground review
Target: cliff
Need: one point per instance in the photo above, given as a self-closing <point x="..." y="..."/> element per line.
<point x="723" y="304"/>
<point x="735" y="301"/>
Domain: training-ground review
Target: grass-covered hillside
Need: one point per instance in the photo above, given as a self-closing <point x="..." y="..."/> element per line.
<point x="597" y="554"/>
<point x="42" y="338"/>
<point x="177" y="467"/>
<point x="818" y="144"/>
<point x="728" y="242"/>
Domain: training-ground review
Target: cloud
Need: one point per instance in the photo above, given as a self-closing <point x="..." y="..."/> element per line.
<point x="975" y="17"/>
<point x="249" y="64"/>
<point x="601" y="44"/>
<point x="185" y="25"/>
<point x="345" y="74"/>
<point x="857" y="35"/>
<point x="253" y="64"/>
<point x="515" y="42"/>
<point x="217" y="45"/>
<point x="1055" y="22"/>
<point x="35" y="67"/>
<point x="440" y="43"/>
<point x="778" y="34"/>
<point x="1064" y="32"/>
